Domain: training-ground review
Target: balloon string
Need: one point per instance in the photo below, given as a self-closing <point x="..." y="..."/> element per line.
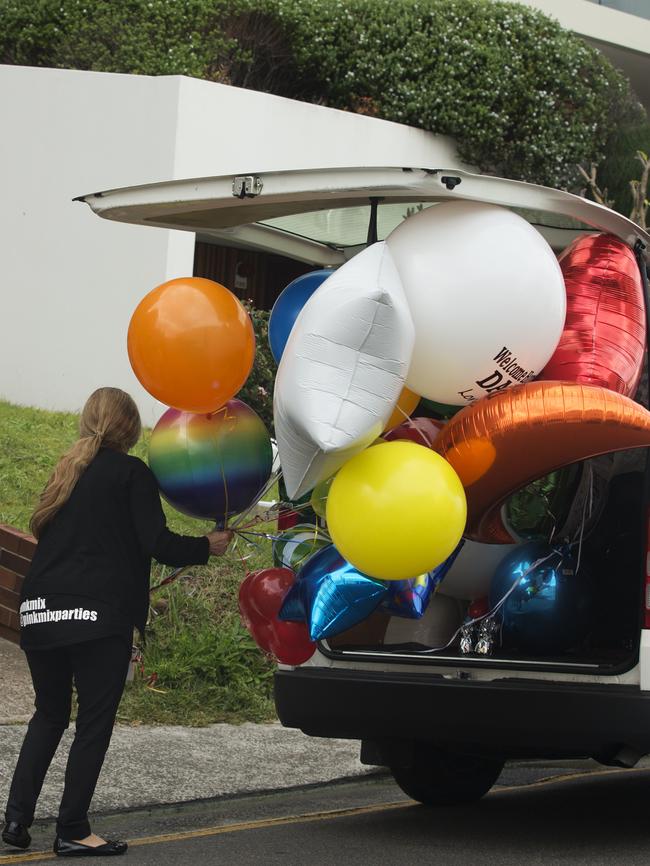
<point x="259" y="495"/>
<point x="243" y="558"/>
<point x="494" y="610"/>
<point x="587" y="506"/>
<point x="427" y="442"/>
<point x="244" y="533"/>
<point x="170" y="578"/>
<point x="267" y="516"/>
<point x="225" y="488"/>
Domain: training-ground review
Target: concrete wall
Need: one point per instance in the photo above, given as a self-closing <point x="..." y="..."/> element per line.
<point x="228" y="130"/>
<point x="70" y="281"/>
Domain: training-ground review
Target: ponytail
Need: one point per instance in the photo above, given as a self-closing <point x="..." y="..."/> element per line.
<point x="62" y="481"/>
<point x="110" y="418"/>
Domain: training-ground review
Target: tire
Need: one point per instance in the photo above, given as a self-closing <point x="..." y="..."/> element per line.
<point x="443" y="778"/>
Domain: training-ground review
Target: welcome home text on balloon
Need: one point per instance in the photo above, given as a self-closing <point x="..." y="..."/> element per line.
<point x="494" y="382"/>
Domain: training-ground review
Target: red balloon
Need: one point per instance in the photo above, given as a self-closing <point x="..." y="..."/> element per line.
<point x="605" y="333"/>
<point x="260" y="597"/>
<point x="265" y="591"/>
<point x="422" y="431"/>
<point x="479" y="607"/>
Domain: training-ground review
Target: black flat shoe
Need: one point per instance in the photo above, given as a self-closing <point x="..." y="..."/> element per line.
<point x="16" y="834"/>
<point x="63" y="848"/>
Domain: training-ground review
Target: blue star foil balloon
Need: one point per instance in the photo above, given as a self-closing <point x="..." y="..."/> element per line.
<point x="409" y="598"/>
<point x="549" y="610"/>
<point x="330" y="595"/>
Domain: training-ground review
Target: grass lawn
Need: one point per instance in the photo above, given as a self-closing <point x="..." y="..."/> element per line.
<point x="200" y="664"/>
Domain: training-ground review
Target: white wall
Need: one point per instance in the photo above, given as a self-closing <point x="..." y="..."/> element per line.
<point x="70" y="281"/>
<point x="228" y="130"/>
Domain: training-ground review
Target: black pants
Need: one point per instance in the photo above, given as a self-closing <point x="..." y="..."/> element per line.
<point x="99" y="670"/>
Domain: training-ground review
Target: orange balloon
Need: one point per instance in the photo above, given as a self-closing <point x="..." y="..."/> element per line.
<point x="504" y="441"/>
<point x="191" y="344"/>
<point x="406" y="404"/>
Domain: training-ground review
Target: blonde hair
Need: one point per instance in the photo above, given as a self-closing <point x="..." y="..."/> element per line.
<point x="111" y="419"/>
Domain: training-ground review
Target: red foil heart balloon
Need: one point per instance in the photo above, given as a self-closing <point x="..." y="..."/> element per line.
<point x="260" y="597"/>
<point x="604" y="333"/>
<point x="423" y="431"/>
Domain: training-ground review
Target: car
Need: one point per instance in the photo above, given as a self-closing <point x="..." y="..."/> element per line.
<point x="445" y="721"/>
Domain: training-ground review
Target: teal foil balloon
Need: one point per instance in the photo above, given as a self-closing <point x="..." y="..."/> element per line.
<point x="293" y="547"/>
<point x="211" y="466"/>
<point x="330" y="595"/>
<point x="537" y="511"/>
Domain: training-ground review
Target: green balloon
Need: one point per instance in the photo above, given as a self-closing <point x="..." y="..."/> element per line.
<point x="293" y="547"/>
<point x="319" y="496"/>
<point x="431" y="409"/>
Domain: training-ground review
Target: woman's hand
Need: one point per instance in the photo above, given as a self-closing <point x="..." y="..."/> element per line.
<point x="219" y="541"/>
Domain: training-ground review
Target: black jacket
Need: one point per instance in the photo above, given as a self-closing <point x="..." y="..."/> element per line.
<point x="90" y="573"/>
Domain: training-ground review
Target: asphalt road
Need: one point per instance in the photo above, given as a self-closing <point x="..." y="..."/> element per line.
<point x="595" y="817"/>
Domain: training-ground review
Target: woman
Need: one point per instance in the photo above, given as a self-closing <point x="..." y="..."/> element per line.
<point x="99" y="522"/>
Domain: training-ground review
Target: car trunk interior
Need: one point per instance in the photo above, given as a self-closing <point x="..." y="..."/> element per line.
<point x="612" y="553"/>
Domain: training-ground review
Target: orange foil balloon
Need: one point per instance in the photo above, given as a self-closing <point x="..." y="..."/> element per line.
<point x="605" y="332"/>
<point x="405" y="406"/>
<point x="191" y="344"/>
<point x="504" y="441"/>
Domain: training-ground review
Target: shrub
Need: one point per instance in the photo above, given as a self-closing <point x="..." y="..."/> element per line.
<point x="258" y="390"/>
<point x="146" y="37"/>
<point x="522" y="96"/>
<point x="620" y="164"/>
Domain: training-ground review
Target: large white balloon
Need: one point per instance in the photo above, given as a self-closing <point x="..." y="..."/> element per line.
<point x="470" y="575"/>
<point x="435" y="628"/>
<point x="342" y="370"/>
<point x="487" y="298"/>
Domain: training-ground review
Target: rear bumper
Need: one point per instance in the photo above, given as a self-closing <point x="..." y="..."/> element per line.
<point x="513" y="718"/>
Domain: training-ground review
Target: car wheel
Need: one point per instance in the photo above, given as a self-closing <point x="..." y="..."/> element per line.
<point x="443" y="778"/>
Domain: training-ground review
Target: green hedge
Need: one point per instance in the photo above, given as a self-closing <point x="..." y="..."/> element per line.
<point x="258" y="390"/>
<point x="620" y="164"/>
<point x="522" y="96"/>
<point x="146" y="37"/>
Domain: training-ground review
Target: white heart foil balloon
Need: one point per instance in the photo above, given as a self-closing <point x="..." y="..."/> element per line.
<point x="342" y="370"/>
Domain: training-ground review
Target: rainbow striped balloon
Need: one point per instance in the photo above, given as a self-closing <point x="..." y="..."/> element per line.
<point x="211" y="466"/>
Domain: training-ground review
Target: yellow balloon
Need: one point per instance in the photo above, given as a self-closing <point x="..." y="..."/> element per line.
<point x="319" y="496"/>
<point x="396" y="510"/>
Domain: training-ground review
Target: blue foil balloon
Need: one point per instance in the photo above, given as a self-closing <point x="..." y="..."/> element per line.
<point x="330" y="595"/>
<point x="287" y="307"/>
<point x="409" y="598"/>
<point x="549" y="610"/>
